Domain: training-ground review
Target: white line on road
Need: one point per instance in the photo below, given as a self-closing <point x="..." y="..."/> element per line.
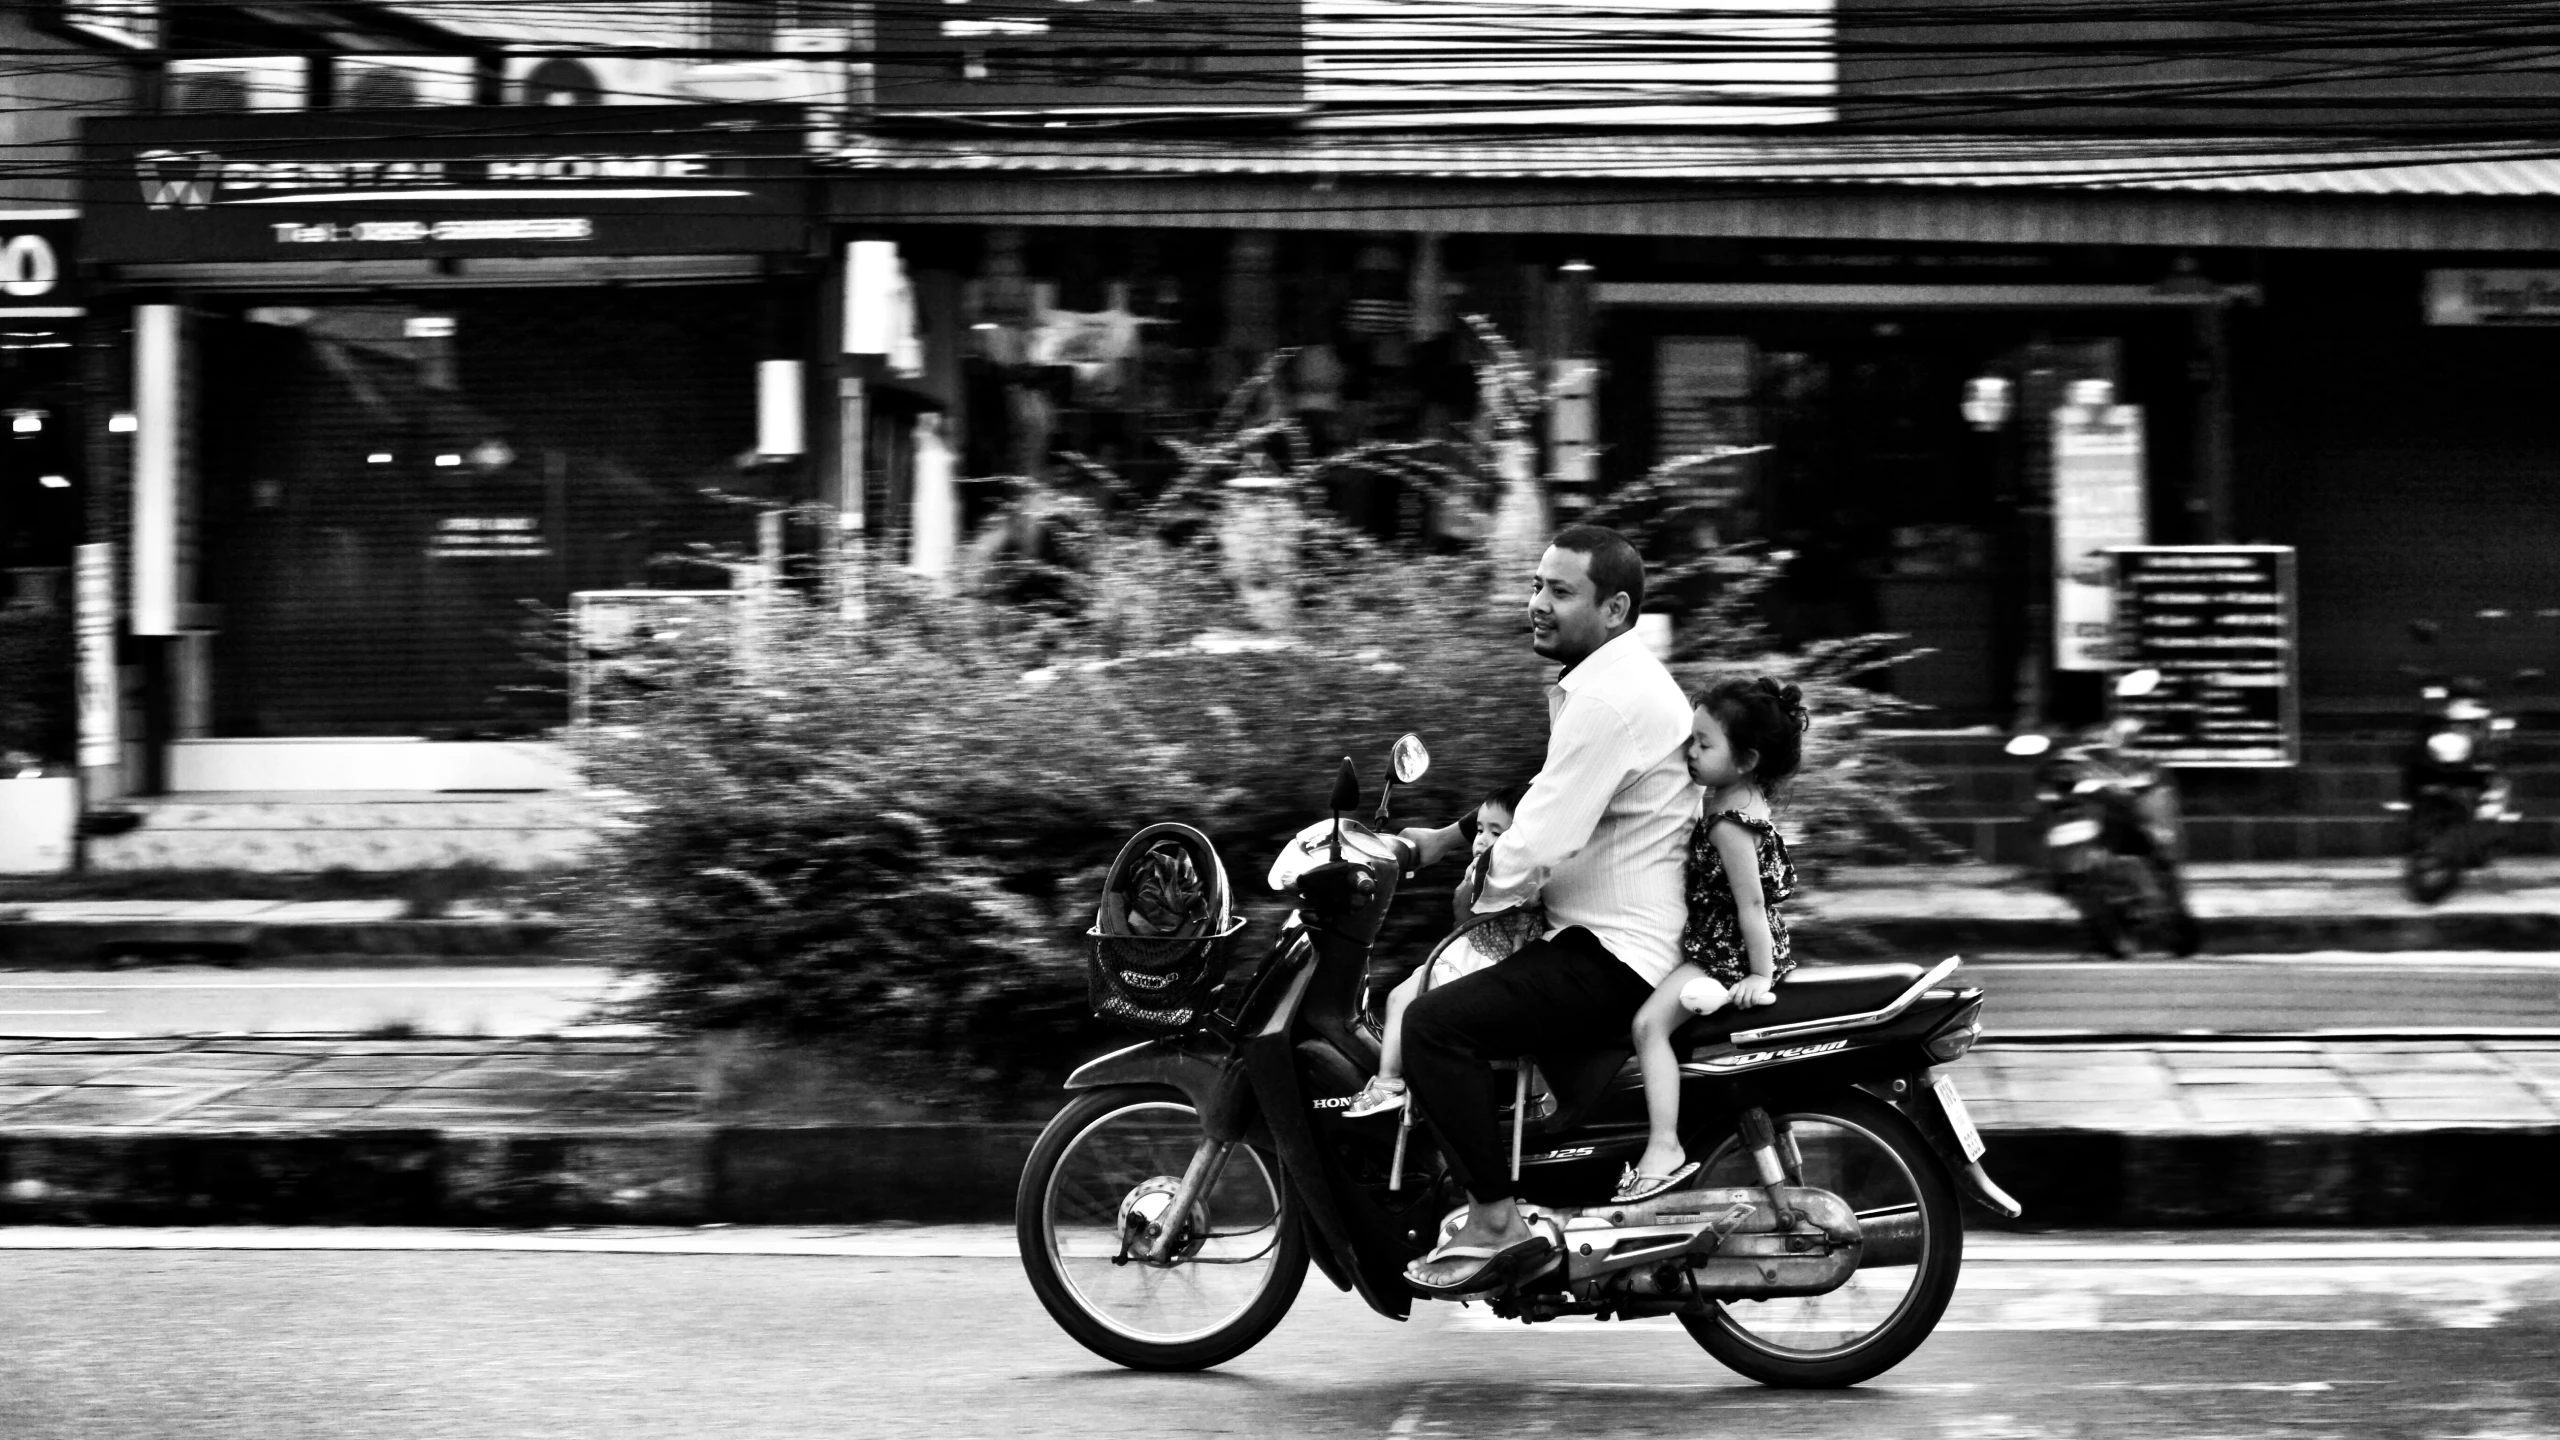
<point x="52" y="1012"/>
<point x="996" y="1242"/>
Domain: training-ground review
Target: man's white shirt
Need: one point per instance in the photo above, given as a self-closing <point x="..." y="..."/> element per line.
<point x="1604" y="830"/>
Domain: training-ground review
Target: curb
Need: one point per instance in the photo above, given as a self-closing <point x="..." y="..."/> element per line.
<point x="955" y="1173"/>
<point x="2230" y="935"/>
<point x="107" y="944"/>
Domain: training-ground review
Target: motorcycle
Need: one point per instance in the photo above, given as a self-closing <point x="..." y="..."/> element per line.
<point x="2112" y="835"/>
<point x="1168" y="1213"/>
<point x="2455" y="796"/>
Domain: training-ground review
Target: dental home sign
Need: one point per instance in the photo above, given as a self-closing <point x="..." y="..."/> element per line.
<point x="288" y="187"/>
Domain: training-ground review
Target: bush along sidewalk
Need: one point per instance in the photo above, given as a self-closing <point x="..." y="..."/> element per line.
<point x="881" y="808"/>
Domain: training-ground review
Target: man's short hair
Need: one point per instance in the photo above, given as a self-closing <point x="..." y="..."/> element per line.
<point x="1615" y="565"/>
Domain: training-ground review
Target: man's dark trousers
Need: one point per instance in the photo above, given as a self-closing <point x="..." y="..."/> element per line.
<point x="1566" y="992"/>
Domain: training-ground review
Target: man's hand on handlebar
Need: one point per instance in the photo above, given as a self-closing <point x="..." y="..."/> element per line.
<point x="1431" y="845"/>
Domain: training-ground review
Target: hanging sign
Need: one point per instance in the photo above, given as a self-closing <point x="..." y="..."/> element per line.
<point x="2098" y="504"/>
<point x="2218" y="623"/>
<point x="2493" y="297"/>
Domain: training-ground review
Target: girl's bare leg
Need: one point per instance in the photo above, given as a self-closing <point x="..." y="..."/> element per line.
<point x="1661" y="1014"/>
<point x="1391" y="1048"/>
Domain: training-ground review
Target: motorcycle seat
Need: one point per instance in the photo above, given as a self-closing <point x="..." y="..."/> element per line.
<point x="1813" y="992"/>
<point x="1816" y="992"/>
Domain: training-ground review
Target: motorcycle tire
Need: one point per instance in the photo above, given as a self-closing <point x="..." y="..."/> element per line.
<point x="1098" y="1152"/>
<point x="2438" y="851"/>
<point x="1924" y="1185"/>
<point x="2102" y="914"/>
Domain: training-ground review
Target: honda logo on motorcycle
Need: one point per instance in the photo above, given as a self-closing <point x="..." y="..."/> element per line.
<point x="177" y="179"/>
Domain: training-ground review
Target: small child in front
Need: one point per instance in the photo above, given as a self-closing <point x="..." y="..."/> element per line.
<point x="1747" y="736"/>
<point x="1494" y="937"/>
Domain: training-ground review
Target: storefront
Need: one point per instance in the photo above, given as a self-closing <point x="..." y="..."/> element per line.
<point x="400" y="388"/>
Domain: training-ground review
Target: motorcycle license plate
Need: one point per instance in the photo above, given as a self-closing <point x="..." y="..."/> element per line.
<point x="1958" y="1119"/>
<point x="2071" y="832"/>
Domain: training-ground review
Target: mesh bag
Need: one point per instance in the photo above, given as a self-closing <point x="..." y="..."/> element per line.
<point x="1160" y="934"/>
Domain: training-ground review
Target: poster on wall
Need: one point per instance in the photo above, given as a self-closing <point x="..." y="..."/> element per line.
<point x="2098" y="504"/>
<point x="2218" y="623"/>
<point x="94" y="620"/>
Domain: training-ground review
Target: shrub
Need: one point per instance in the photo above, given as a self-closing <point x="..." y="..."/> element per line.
<point x="887" y="816"/>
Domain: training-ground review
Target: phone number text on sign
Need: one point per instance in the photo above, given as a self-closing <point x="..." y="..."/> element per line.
<point x="413" y="232"/>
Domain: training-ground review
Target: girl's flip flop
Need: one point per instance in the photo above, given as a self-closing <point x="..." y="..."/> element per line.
<point x="1633" y="1187"/>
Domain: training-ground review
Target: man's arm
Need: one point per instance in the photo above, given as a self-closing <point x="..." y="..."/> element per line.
<point x="1589" y="756"/>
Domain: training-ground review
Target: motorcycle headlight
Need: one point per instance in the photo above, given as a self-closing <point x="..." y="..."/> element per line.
<point x="2449" y="747"/>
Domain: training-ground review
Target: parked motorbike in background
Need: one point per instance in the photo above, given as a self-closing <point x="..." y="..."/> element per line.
<point x="2112" y="837"/>
<point x="2452" y="789"/>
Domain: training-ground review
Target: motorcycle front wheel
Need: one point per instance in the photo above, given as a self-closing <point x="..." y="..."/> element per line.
<point x="1234" y="1271"/>
<point x="2438" y="850"/>
<point x="1871" y="1156"/>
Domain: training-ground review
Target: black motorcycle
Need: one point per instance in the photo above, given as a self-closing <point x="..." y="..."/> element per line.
<point x="1168" y="1213"/>
<point x="2112" y="835"/>
<point x="2453" y="791"/>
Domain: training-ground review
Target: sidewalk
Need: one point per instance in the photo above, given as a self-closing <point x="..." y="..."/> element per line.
<point x="2264" y="907"/>
<point x="607" y="1131"/>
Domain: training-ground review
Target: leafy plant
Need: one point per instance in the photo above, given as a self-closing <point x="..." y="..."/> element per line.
<point x="882" y="808"/>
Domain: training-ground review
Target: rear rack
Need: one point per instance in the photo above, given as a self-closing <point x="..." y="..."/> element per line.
<point x="1922" y="986"/>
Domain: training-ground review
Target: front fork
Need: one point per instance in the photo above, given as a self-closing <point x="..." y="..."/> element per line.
<point x="1154" y="1244"/>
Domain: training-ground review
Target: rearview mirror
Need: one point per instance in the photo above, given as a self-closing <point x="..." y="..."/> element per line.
<point x="2028" y="746"/>
<point x="1409" y="760"/>
<point x="1346" y="787"/>
<point x="2138" y="683"/>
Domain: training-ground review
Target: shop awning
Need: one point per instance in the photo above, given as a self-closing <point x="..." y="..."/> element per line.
<point x="2320" y="193"/>
<point x="2229" y="166"/>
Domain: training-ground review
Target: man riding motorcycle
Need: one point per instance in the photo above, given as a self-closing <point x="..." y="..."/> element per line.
<point x="1598" y="840"/>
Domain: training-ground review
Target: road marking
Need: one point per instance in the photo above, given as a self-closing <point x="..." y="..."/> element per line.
<point x="52" y="1012"/>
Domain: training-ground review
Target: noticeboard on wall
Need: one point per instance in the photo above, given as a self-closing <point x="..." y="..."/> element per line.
<point x="2219" y="624"/>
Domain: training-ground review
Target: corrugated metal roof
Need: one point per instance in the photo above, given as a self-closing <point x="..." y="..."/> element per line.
<point x="2251" y="166"/>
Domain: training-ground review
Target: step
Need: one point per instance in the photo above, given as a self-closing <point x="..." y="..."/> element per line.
<point x="311" y="831"/>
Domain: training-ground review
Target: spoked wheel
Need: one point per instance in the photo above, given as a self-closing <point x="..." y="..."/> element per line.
<point x="1107" y="1167"/>
<point x="1871" y="1156"/>
<point x="2436" y="847"/>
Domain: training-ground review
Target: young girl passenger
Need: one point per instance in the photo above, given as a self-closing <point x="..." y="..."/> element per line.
<point x="1493" y="939"/>
<point x="1747" y="736"/>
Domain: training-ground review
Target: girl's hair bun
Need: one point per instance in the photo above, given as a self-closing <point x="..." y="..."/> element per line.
<point x="1764" y="716"/>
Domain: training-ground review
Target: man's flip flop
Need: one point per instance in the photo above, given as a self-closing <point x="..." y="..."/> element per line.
<point x="1500" y="1266"/>
<point x="1633" y="1187"/>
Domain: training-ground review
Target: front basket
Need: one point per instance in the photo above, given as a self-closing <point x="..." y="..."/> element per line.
<point x="1155" y="985"/>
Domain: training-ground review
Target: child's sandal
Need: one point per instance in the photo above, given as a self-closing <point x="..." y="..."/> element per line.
<point x="1376" y="1098"/>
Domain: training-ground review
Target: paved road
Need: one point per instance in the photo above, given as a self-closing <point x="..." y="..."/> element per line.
<point x="190" y="1000"/>
<point x="2030" y="993"/>
<point x="778" y="1334"/>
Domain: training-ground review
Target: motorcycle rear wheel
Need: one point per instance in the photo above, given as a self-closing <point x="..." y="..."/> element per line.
<point x="1231" y="1280"/>
<point x="1872" y="1156"/>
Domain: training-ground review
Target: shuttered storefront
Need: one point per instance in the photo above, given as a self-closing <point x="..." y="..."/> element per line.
<point x="392" y="486"/>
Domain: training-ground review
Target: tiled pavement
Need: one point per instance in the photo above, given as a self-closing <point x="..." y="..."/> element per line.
<point x="269" y="1085"/>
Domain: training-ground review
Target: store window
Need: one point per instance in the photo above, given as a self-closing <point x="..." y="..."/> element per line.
<point x="394" y="491"/>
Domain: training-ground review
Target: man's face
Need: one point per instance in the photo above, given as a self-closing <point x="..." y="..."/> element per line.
<point x="1567" y="621"/>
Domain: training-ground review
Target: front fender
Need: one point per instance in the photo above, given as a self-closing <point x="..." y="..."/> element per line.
<point x="1217" y="1090"/>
